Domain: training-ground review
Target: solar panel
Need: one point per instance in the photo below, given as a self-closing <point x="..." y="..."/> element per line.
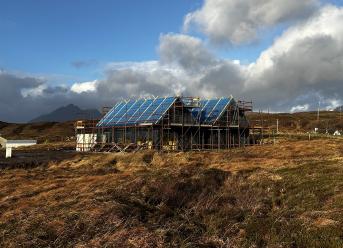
<point x="198" y="113"/>
<point x="217" y="110"/>
<point x="109" y="115"/>
<point x="130" y="112"/>
<point x="150" y="110"/>
<point x="140" y="111"/>
<point x="161" y="109"/>
<point x="137" y="110"/>
<point x="120" y="112"/>
<point x="208" y="108"/>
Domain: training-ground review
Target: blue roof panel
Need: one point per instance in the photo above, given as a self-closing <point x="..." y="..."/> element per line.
<point x="121" y="112"/>
<point x="217" y="110"/>
<point x="134" y="118"/>
<point x="210" y="110"/>
<point x="197" y="112"/>
<point x="150" y="110"/>
<point x="161" y="109"/>
<point x="109" y="115"/>
<point x="209" y="107"/>
<point x="130" y="112"/>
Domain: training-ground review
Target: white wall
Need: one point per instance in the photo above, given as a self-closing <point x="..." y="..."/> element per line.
<point x="8" y="152"/>
<point x="20" y="143"/>
<point x="84" y="142"/>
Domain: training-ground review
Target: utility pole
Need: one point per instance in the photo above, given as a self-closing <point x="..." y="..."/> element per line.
<point x="317" y="128"/>
<point x="318" y="114"/>
<point x="277" y="126"/>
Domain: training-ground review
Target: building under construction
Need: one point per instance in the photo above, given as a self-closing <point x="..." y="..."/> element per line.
<point x="168" y="124"/>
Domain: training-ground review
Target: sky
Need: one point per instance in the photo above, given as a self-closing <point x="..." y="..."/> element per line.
<point x="284" y="55"/>
<point x="50" y="37"/>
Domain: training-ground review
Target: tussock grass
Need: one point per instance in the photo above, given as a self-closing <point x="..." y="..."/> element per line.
<point x="288" y="195"/>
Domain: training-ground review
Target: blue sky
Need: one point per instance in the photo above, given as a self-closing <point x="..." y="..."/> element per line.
<point x="46" y="37"/>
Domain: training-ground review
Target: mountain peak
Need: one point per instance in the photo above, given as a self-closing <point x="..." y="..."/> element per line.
<point x="71" y="105"/>
<point x="69" y="112"/>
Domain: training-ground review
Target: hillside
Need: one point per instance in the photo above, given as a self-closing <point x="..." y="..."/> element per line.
<point x="3" y="124"/>
<point x="299" y="122"/>
<point x="68" y="113"/>
<point x="43" y="132"/>
<point x="287" y="195"/>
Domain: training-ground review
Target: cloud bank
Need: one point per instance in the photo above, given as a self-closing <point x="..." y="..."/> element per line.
<point x="239" y="21"/>
<point x="302" y="67"/>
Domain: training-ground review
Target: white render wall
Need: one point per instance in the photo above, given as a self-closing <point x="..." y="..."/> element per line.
<point x="84" y="142"/>
<point x="8" y="152"/>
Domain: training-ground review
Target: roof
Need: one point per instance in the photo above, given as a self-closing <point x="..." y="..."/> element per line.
<point x="141" y="111"/>
<point x="151" y="111"/>
<point x="21" y="142"/>
<point x="210" y="110"/>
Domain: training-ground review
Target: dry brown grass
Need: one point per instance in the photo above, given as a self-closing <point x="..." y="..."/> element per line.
<point x="288" y="195"/>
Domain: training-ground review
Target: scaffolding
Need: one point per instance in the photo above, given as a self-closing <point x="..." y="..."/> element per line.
<point x="179" y="128"/>
<point x="86" y="135"/>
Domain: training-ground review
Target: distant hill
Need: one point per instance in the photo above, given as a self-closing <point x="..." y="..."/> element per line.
<point x="68" y="113"/>
<point x="43" y="131"/>
<point x="2" y="124"/>
<point x="299" y="122"/>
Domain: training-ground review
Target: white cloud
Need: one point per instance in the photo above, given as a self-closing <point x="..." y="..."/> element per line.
<point x="300" y="108"/>
<point x="125" y="80"/>
<point x="325" y="24"/>
<point x="239" y="21"/>
<point x="34" y="92"/>
<point x="137" y="66"/>
<point x="304" y="64"/>
<point x="332" y="104"/>
<point x="84" y="87"/>
<point x="236" y="62"/>
<point x="307" y="59"/>
<point x="185" y="51"/>
<point x="184" y="62"/>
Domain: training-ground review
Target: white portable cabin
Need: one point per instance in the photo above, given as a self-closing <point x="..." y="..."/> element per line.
<point x="10" y="144"/>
